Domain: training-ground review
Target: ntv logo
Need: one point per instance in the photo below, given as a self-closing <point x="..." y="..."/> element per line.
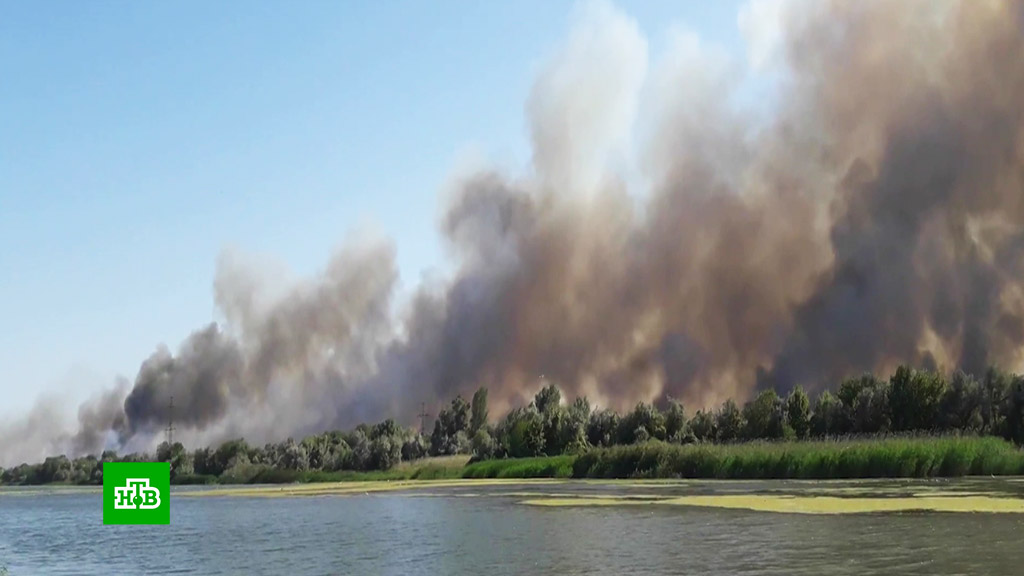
<point x="137" y="495"/>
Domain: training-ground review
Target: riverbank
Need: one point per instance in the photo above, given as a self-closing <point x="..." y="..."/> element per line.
<point x="912" y="457"/>
<point x="921" y="457"/>
<point x="435" y="468"/>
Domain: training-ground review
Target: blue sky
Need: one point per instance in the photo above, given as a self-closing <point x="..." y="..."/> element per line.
<point x="140" y="139"/>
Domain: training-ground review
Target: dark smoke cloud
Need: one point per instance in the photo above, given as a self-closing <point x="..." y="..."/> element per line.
<point x="876" y="217"/>
<point x="200" y="380"/>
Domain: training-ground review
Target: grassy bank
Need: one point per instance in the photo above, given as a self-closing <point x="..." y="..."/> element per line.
<point x="920" y="457"/>
<point x="541" y="467"/>
<point x="437" y="468"/>
<point x="882" y="458"/>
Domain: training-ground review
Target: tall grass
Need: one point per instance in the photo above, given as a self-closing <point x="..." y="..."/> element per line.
<point x="436" y="468"/>
<point x="878" y="458"/>
<point x="541" y="467"/>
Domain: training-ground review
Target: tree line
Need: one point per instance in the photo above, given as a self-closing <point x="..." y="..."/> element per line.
<point x="909" y="400"/>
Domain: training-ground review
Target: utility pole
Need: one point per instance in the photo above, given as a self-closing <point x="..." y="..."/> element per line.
<point x="423" y="418"/>
<point x="170" y="424"/>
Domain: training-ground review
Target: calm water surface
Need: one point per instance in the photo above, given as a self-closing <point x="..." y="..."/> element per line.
<point x="487" y="531"/>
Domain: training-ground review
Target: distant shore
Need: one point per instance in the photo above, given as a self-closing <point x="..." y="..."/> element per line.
<point x="911" y="457"/>
<point x="917" y="457"/>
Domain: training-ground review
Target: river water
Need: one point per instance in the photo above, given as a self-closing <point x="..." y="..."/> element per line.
<point x="487" y="530"/>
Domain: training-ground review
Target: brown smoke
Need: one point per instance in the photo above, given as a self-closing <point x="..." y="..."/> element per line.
<point x="876" y="218"/>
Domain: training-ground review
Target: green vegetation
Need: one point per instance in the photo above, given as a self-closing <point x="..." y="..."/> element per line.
<point x="799" y="504"/>
<point x="539" y="467"/>
<point x="770" y="436"/>
<point x="877" y="458"/>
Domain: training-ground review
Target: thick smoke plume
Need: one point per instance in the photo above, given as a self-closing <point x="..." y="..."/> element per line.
<point x="875" y="215"/>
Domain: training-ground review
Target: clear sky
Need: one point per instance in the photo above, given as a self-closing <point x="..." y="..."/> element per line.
<point x="140" y="139"/>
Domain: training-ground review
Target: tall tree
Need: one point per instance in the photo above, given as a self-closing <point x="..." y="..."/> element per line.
<point x="826" y="414"/>
<point x="1015" y="411"/>
<point x="548" y="398"/>
<point x="478" y="418"/>
<point x="703" y="426"/>
<point x="961" y="407"/>
<point x="601" y="427"/>
<point x="459" y="415"/>
<point x="798" y="412"/>
<point x="995" y="390"/>
<point x="915" y="398"/>
<point x="729" y="422"/>
<point x="764" y="416"/>
<point x="675" y="421"/>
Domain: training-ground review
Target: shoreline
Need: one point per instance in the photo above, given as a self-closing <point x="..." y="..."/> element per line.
<point x="969" y="494"/>
<point x="884" y="458"/>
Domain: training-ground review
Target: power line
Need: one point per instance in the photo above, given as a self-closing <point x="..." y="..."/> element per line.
<point x="170" y="423"/>
<point x="423" y="418"/>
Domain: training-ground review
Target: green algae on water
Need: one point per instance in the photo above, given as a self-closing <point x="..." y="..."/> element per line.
<point x="794" y="504"/>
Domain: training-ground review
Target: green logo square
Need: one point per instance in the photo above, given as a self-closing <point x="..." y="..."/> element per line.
<point x="136" y="493"/>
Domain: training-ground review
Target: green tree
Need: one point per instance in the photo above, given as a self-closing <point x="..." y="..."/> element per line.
<point x="439" y="437"/>
<point x="826" y="415"/>
<point x="483" y="445"/>
<point x="548" y="398"/>
<point x="359" y="458"/>
<point x="338" y="453"/>
<point x="414" y="448"/>
<point x="995" y="394"/>
<point x="580" y="409"/>
<point x="53" y="469"/>
<point x="1015" y="411"/>
<point x="450" y="422"/>
<point x="864" y="406"/>
<point x="385" y="452"/>
<point x="914" y="399"/>
<point x="675" y="421"/>
<point x="644" y="416"/>
<point x="601" y="427"/>
<point x="962" y="404"/>
<point x="524" y="430"/>
<point x="798" y="412"/>
<point x="163" y="452"/>
<point x="478" y="419"/>
<point x="318" y="449"/>
<point x="729" y="422"/>
<point x="703" y="426"/>
<point x="573" y="432"/>
<point x="764" y="416"/>
<point x="292" y="456"/>
<point x="228" y="454"/>
<point x="555" y="420"/>
<point x="181" y="463"/>
<point x="83" y="470"/>
<point x="386" y="428"/>
<point x="460" y="416"/>
<point x="201" y="461"/>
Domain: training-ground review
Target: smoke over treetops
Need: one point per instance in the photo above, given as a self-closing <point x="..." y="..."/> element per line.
<point x="876" y="216"/>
